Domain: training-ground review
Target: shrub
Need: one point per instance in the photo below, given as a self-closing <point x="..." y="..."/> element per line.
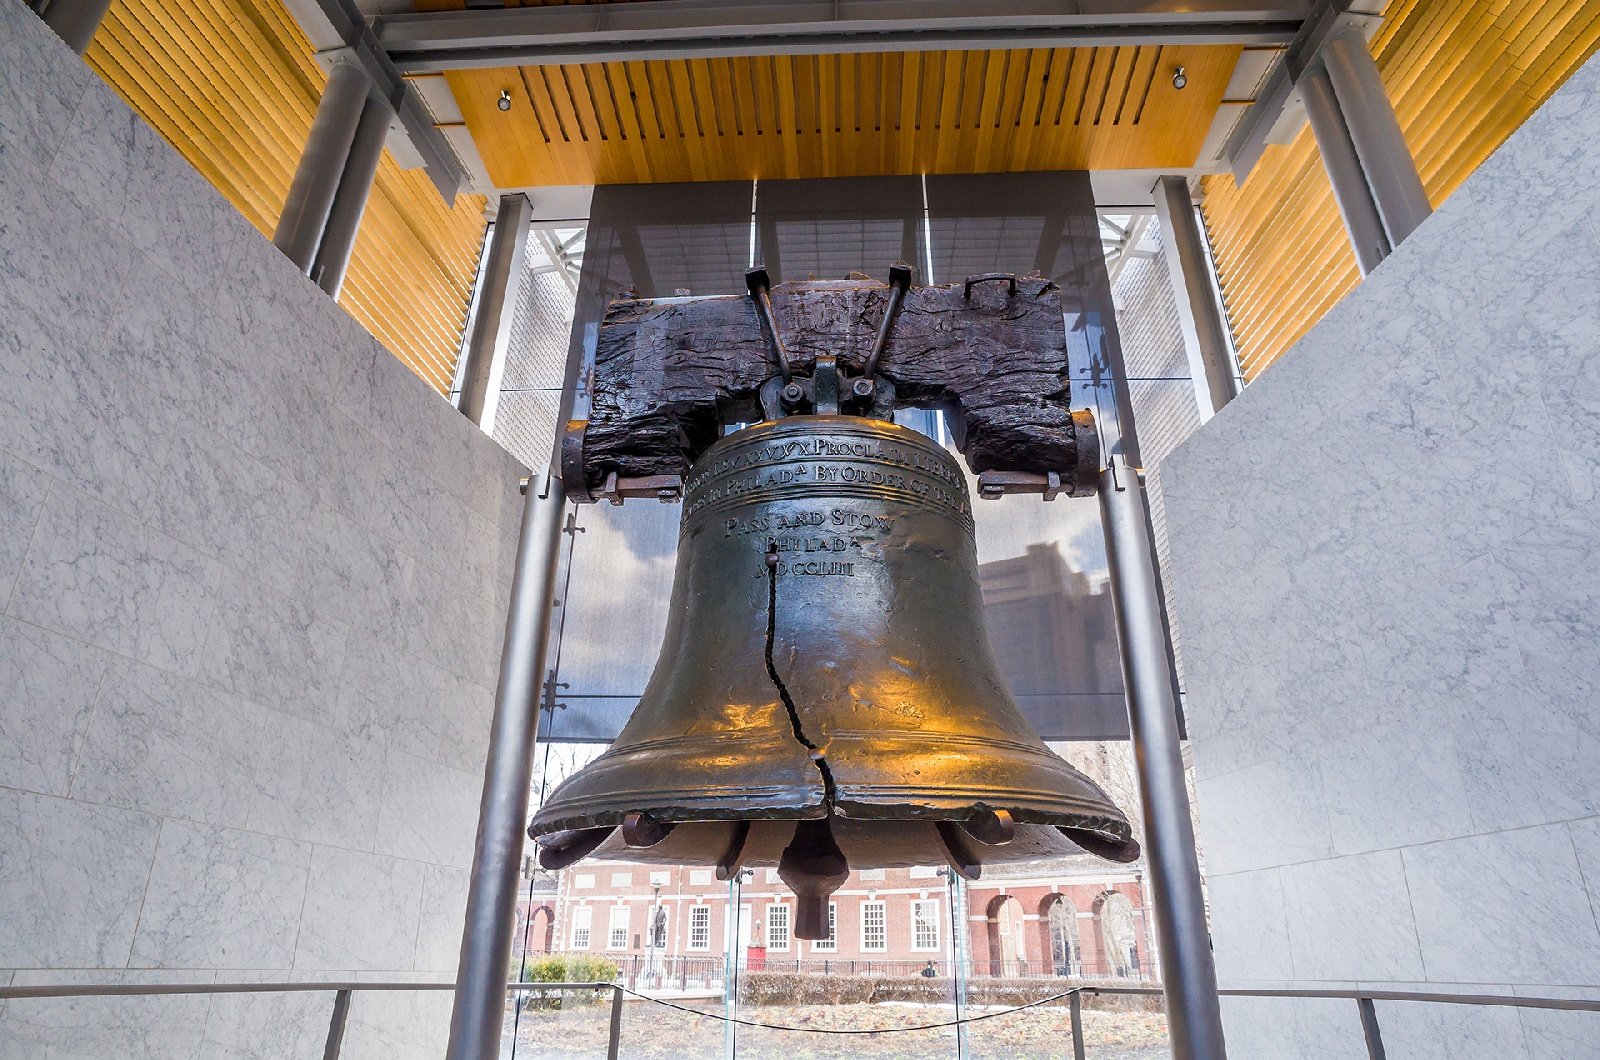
<point x="790" y="988"/>
<point x="566" y="969"/>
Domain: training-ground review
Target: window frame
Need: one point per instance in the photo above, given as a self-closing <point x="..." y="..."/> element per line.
<point x="932" y="922"/>
<point x="788" y="927"/>
<point x="883" y="926"/>
<point x="705" y="946"/>
<point x="582" y="920"/>
<point x="612" y="927"/>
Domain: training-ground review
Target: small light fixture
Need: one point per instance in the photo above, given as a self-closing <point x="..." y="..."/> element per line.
<point x="504" y="102"/>
<point x="1180" y="80"/>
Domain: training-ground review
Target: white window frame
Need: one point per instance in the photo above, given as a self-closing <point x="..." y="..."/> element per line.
<point x="931" y="920"/>
<point x="582" y="921"/>
<point x="831" y="943"/>
<point x="787" y="924"/>
<point x="883" y="927"/>
<point x="623" y="914"/>
<point x="705" y="928"/>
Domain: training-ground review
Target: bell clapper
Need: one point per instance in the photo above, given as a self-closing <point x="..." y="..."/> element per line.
<point x="813" y="867"/>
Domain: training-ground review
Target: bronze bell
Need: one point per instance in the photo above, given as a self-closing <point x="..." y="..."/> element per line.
<point x="826" y="697"/>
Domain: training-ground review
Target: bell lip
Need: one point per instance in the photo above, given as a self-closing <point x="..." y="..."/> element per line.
<point x="1111" y="835"/>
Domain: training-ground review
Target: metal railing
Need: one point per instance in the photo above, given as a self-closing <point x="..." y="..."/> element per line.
<point x="1365" y="1003"/>
<point x="639" y="970"/>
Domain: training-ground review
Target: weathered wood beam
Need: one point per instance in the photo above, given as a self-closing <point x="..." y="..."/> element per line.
<point x="670" y="373"/>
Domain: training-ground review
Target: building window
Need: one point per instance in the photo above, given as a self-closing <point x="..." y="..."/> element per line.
<point x="925" y="924"/>
<point x="777" y="927"/>
<point x="583" y="879"/>
<point x="622" y="879"/>
<point x="660" y="879"/>
<point x="699" y="877"/>
<point x="874" y="928"/>
<point x="618" y="939"/>
<point x="700" y="927"/>
<point x="582" y="917"/>
<point x="872" y="874"/>
<point x="831" y="943"/>
<point x="923" y="872"/>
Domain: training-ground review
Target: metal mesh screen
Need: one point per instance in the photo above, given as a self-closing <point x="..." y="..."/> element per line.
<point x="1160" y="381"/>
<point x="535" y="361"/>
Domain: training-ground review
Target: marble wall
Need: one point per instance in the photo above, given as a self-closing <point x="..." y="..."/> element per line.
<point x="1386" y="565"/>
<point x="252" y="575"/>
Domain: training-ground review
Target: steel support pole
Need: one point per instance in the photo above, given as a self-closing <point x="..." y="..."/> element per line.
<point x="350" y="201"/>
<point x="1350" y="190"/>
<point x="316" y="178"/>
<point x="962" y="941"/>
<point x="1205" y="329"/>
<point x="1189" y="977"/>
<point x="74" y="21"/>
<point x="1386" y="159"/>
<point x="503" y="814"/>
<point x="497" y="304"/>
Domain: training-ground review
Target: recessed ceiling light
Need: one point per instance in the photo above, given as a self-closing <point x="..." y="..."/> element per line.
<point x="504" y="102"/>
<point x="1179" y="80"/>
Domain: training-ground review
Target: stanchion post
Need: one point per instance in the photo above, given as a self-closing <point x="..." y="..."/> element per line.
<point x="614" y="1042"/>
<point x="1075" y="1003"/>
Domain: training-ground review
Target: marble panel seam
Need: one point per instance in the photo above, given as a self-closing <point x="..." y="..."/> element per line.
<point x="33" y="535"/>
<point x="144" y="895"/>
<point x="1588" y="884"/>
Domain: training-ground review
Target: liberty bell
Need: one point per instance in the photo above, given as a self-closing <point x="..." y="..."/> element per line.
<point x="826" y="698"/>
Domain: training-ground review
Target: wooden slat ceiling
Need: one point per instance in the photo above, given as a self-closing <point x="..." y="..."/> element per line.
<point x="1463" y="77"/>
<point x="843" y="115"/>
<point x="232" y="84"/>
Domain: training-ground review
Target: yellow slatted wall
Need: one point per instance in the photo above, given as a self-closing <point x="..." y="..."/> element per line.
<point x="1463" y="75"/>
<point x="232" y="84"/>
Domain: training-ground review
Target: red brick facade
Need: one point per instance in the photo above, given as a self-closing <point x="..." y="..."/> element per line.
<point x="1075" y="922"/>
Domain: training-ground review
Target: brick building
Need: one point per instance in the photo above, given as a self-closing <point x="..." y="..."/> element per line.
<point x="1075" y="916"/>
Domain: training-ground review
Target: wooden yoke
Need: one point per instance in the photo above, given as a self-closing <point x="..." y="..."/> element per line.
<point x="671" y="373"/>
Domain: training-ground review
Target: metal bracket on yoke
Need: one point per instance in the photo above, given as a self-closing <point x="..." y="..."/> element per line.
<point x="991" y="277"/>
<point x="760" y="285"/>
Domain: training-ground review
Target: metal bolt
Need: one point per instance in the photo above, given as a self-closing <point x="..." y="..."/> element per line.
<point x="862" y="388"/>
<point x="793" y="393"/>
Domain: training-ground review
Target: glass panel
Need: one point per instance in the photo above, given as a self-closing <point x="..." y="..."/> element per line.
<point x="827" y="229"/>
<point x="569" y="1024"/>
<point x="1114" y="1027"/>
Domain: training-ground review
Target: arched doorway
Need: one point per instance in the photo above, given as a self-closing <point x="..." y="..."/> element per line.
<point x="1119" y="940"/>
<point x="1007" y="952"/>
<point x="541" y="930"/>
<point x="1058" y="935"/>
